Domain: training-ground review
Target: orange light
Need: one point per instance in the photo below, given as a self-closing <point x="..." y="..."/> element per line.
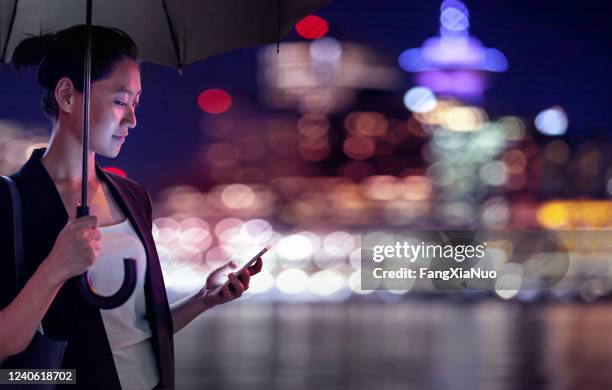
<point x="358" y="147"/>
<point x="575" y="214"/>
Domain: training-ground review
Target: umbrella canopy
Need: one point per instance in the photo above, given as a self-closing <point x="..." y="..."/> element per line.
<point x="168" y="32"/>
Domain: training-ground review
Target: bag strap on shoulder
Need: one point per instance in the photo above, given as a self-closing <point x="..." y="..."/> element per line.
<point x="20" y="273"/>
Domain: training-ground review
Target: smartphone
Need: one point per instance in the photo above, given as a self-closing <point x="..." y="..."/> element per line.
<point x="246" y="265"/>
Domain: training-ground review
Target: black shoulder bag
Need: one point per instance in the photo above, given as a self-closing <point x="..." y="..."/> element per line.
<point x="43" y="352"/>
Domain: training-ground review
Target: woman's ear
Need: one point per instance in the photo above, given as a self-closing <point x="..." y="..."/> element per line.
<point x="65" y="95"/>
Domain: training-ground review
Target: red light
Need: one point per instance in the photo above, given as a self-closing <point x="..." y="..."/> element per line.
<point x="312" y="27"/>
<point x="214" y="101"/>
<point x="116" y="171"/>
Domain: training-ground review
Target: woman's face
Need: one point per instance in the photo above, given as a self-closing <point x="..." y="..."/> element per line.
<point x="113" y="105"/>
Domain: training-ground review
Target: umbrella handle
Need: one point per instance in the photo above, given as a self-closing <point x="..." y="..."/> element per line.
<point x="88" y="292"/>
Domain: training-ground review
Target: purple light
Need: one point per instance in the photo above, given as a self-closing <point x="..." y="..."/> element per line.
<point x="411" y="60"/>
<point x="495" y="61"/>
<point x="453" y="53"/>
<point x="450" y="63"/>
<point x="464" y="83"/>
<point x="454" y="4"/>
<point x="454" y="20"/>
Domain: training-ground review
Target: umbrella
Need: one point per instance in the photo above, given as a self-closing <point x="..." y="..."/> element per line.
<point x="168" y="32"/>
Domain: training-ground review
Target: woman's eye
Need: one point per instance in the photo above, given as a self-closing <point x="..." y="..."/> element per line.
<point x="119" y="102"/>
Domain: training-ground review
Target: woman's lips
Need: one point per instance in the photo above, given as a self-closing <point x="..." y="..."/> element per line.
<point x="120" y="138"/>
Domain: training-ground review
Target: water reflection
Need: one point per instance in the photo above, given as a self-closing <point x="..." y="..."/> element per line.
<point x="427" y="344"/>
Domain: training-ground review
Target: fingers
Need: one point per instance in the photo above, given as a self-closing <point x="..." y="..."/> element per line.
<point x="93" y="234"/>
<point x="236" y="285"/>
<point x="86" y="227"/>
<point x="218" y="290"/>
<point x="256" y="268"/>
<point x="245" y="277"/>
<point x="232" y="264"/>
<point x="225" y="291"/>
<point x="89" y="254"/>
<point x="233" y="288"/>
<point x="224" y="267"/>
<point x="90" y="221"/>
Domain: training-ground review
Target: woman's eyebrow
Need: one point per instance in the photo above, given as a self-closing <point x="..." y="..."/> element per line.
<point x="125" y="90"/>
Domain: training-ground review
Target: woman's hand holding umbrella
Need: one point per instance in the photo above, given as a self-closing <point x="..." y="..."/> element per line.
<point x="76" y="248"/>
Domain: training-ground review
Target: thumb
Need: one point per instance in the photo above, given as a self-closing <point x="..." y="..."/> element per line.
<point x="231" y="264"/>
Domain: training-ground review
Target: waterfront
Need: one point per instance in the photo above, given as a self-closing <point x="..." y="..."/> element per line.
<point x="409" y="344"/>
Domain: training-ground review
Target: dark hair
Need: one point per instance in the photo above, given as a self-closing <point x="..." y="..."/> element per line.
<point x="62" y="54"/>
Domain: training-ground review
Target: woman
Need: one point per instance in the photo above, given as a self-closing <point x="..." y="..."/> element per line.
<point x="130" y="346"/>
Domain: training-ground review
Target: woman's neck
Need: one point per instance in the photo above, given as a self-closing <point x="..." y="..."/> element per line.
<point x="63" y="159"/>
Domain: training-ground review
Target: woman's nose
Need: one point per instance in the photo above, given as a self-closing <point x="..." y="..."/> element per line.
<point x="129" y="119"/>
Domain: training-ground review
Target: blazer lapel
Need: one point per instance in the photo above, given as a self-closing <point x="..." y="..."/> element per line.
<point x="156" y="301"/>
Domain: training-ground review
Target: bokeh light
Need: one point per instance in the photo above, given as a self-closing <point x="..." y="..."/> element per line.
<point x="220" y="154"/>
<point x="295" y="247"/>
<point x="327" y="282"/>
<point x="465" y="118"/>
<point x="553" y="215"/>
<point x="552" y="121"/>
<point x="257" y="232"/>
<point x="214" y="101"/>
<point x="292" y="281"/>
<point x="420" y="99"/>
<point x="326" y="49"/>
<point x="262" y="283"/>
<point x="513" y="127"/>
<point x="166" y="229"/>
<point x="354" y="283"/>
<point x="312" y="27"/>
<point x="416" y="188"/>
<point x="195" y="239"/>
<point x="358" y="147"/>
<point x="238" y="196"/>
<point x="454" y="16"/>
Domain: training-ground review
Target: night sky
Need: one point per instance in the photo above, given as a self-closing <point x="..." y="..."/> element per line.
<point x="559" y="53"/>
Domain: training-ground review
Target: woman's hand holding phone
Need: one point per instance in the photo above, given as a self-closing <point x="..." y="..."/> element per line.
<point x="219" y="290"/>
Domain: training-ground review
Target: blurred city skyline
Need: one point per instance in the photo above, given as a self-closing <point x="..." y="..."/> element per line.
<point x="557" y="54"/>
<point x="331" y="147"/>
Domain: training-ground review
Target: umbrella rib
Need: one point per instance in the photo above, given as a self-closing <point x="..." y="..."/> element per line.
<point x="278" y="26"/>
<point x="10" y="32"/>
<point x="174" y="37"/>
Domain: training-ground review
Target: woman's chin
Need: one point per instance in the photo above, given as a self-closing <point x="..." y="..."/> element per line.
<point x="110" y="152"/>
<point x="115" y="153"/>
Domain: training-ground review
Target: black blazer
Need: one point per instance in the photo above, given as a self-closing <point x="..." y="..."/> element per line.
<point x="69" y="316"/>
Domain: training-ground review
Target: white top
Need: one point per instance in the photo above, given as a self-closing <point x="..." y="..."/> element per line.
<point x="127" y="329"/>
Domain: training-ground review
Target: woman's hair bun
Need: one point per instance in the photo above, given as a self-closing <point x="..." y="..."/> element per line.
<point x="31" y="51"/>
<point x="62" y="54"/>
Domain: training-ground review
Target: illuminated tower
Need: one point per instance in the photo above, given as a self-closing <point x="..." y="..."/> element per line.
<point x="465" y="148"/>
<point x="453" y="63"/>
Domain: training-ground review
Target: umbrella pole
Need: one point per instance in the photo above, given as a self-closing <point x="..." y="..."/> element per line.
<point x="83" y="209"/>
<point x="129" y="265"/>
